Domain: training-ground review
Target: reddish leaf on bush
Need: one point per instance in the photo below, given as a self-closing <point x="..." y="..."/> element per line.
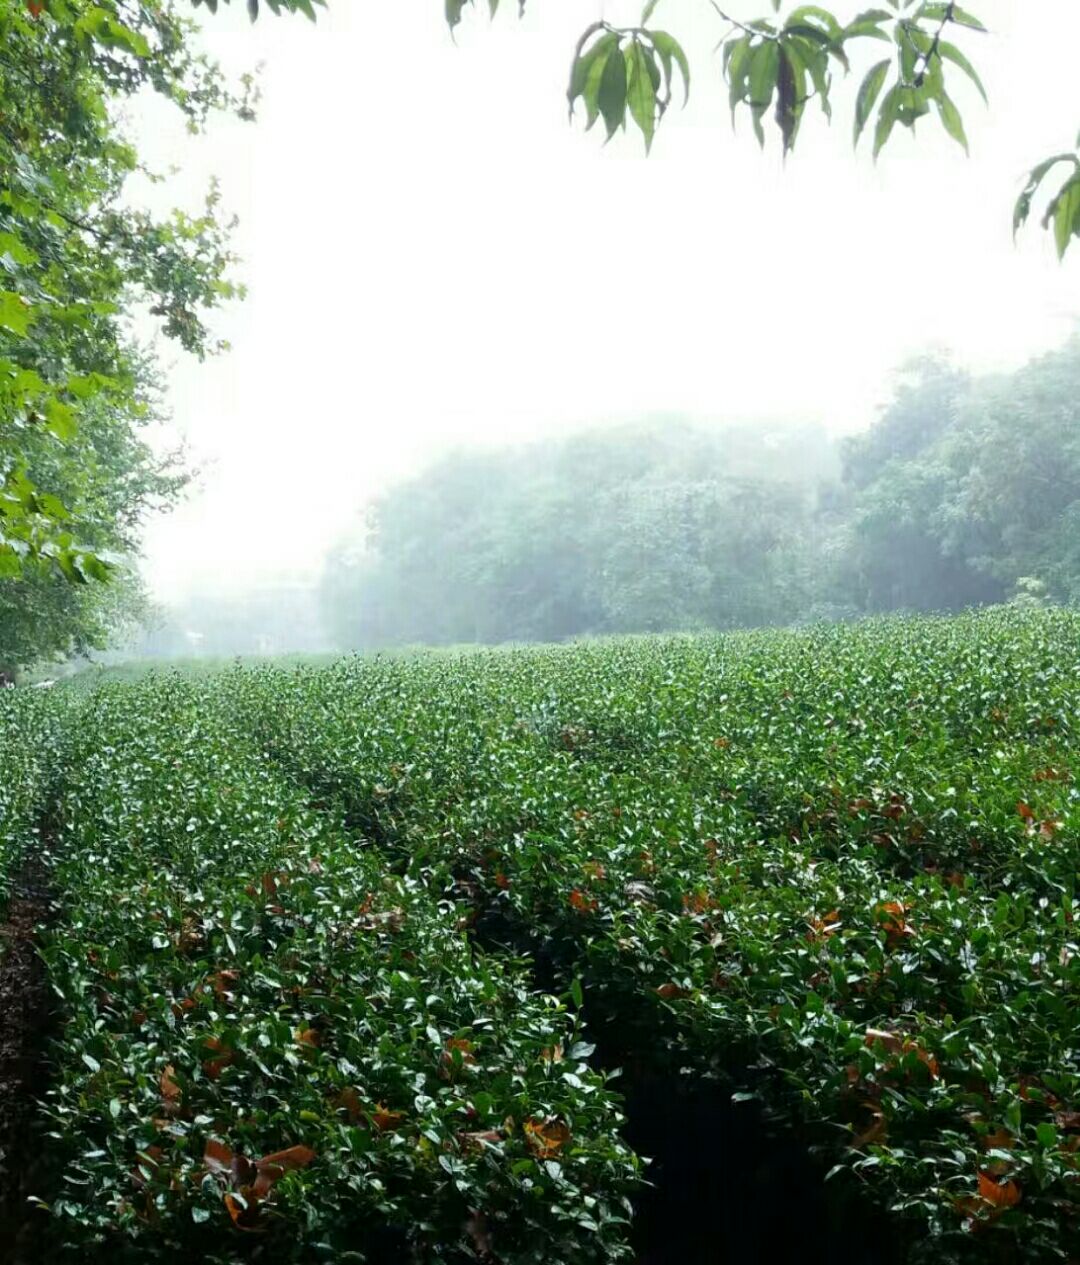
<point x="547" y="1137"/>
<point x="477" y="1141"/>
<point x="217" y="1157"/>
<point x="243" y="1215"/>
<point x="349" y="1102"/>
<point x="895" y="808"/>
<point x="170" y="1090"/>
<point x="697" y="902"/>
<point x="892" y="1041"/>
<point x="221" y="982"/>
<point x="827" y="925"/>
<point x="1000" y="1195"/>
<point x="891" y="916"/>
<point x="385" y="1120"/>
<point x="875" y="1133"/>
<point x="287" y="1161"/>
<point x="456" y="1053"/>
<point x="582" y="903"/>
<point x="214" y="1067"/>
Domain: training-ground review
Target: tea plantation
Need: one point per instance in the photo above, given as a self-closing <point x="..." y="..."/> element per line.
<point x="344" y="959"/>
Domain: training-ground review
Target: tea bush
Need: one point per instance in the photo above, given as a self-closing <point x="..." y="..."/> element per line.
<point x="330" y="936"/>
<point x="267" y="1032"/>
<point x="30" y="754"/>
<point x="836" y="865"/>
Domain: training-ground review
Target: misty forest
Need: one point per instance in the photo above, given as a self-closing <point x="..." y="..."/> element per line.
<point x="539" y="659"/>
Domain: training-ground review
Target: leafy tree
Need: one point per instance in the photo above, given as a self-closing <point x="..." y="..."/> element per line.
<point x="963" y="489"/>
<point x="928" y="393"/>
<point x="638" y="528"/>
<point x="1017" y="512"/>
<point x="77" y="260"/>
<point x="778" y="66"/>
<point x="118" y="480"/>
<point x="75" y="257"/>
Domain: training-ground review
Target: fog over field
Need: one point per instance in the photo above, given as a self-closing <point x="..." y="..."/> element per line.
<point x="436" y="259"/>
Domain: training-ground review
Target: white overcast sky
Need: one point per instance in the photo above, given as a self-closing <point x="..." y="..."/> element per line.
<point x="434" y="257"/>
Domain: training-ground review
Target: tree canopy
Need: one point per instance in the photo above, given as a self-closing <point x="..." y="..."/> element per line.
<point x="964" y="491"/>
<point x="76" y="260"/>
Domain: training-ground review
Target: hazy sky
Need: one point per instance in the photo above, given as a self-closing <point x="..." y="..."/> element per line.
<point x="435" y="257"/>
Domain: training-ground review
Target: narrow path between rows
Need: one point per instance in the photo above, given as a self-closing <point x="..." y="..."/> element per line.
<point x="26" y="1018"/>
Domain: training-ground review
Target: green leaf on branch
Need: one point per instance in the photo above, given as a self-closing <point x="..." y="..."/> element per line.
<point x="15" y="313"/>
<point x="60" y="419"/>
<point x="951" y="53"/>
<point x="587" y="67"/>
<point x="951" y="120"/>
<point x="671" y="50"/>
<point x="869" y="92"/>
<point x="643" y="78"/>
<point x="1022" y="210"/>
<point x="611" y="96"/>
<point x="1064" y="214"/>
<point x="887" y="117"/>
<point x="940" y="12"/>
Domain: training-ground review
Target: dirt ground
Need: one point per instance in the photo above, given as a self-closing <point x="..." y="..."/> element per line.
<point x="25" y="1015"/>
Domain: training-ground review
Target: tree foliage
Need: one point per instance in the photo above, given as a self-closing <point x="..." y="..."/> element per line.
<point x="109" y="469"/>
<point x="962" y="492"/>
<point x="77" y="259"/>
<point x="634" y="529"/>
<point x="776" y="66"/>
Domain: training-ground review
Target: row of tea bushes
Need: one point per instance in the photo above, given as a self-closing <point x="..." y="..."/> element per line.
<point x="275" y="1048"/>
<point x="839" y="862"/>
<point x="31" y="738"/>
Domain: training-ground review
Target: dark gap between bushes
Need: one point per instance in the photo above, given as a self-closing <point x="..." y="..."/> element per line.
<point x="27" y="1021"/>
<point x="725" y="1182"/>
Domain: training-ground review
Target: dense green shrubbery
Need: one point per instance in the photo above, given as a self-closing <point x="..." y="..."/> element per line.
<point x="844" y="857"/>
<point x="30" y="738"/>
<point x="242" y="983"/>
<point x="834" y="867"/>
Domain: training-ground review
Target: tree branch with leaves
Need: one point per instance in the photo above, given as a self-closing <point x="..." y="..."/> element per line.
<point x="775" y="66"/>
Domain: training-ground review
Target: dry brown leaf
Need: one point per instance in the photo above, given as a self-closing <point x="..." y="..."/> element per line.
<point x="999" y="1195"/>
<point x="546" y="1138"/>
<point x="385" y="1120"/>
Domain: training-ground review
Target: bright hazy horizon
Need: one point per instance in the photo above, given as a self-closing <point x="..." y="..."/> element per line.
<point x="435" y="259"/>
